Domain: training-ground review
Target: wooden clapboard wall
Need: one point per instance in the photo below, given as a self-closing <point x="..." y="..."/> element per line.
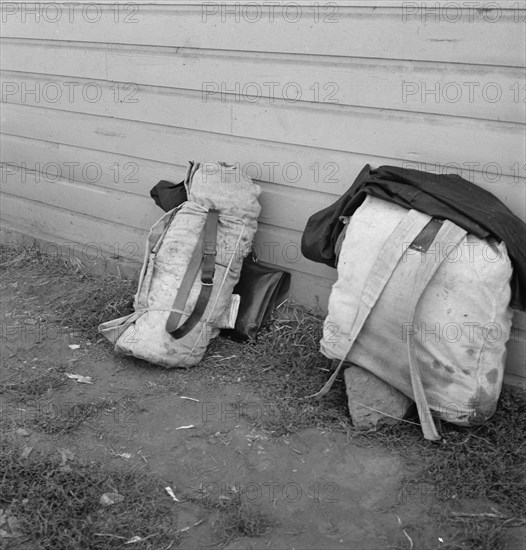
<point x="101" y="100"/>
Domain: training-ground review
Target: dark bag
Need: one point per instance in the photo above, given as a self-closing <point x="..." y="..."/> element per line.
<point x="260" y="288"/>
<point x="169" y="195"/>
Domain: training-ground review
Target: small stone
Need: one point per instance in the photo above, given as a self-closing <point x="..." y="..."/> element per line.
<point x="365" y="388"/>
<point x="107" y="499"/>
<point x="26" y="451"/>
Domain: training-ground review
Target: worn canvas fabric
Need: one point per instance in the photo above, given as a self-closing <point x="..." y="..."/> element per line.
<point x="170" y="245"/>
<point x="459" y="327"/>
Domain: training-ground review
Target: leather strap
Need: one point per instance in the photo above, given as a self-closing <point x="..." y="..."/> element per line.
<point x="204" y="255"/>
<point x="426" y="237"/>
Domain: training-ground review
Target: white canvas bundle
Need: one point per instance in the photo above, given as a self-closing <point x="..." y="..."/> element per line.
<point x="170" y="245"/>
<point x="458" y="328"/>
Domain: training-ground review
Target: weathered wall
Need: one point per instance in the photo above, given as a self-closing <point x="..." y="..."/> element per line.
<point x="101" y="101"/>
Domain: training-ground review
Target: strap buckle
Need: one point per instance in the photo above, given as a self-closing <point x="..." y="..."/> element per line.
<point x="209" y="249"/>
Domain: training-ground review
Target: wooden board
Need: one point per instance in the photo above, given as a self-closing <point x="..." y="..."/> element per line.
<point x="114" y="187"/>
<point x="337" y="127"/>
<point x="487" y="37"/>
<point x="453" y="89"/>
<point x="327" y="171"/>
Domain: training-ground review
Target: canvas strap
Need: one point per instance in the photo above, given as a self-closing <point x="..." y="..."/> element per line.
<point x="190" y="172"/>
<point x="385" y="264"/>
<point x="203" y="257"/>
<point x="447" y="238"/>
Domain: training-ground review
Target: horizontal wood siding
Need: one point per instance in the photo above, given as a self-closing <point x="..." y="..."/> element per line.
<point x="100" y="103"/>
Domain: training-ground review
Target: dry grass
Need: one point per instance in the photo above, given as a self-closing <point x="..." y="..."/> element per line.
<point x="23" y="388"/>
<point x="14" y="256"/>
<point x="102" y="299"/>
<point x="283" y="367"/>
<point x="478" y="534"/>
<point x="69" y="418"/>
<point x="485" y="465"/>
<point x="56" y="506"/>
<point x="98" y="299"/>
<point x="235" y="517"/>
<point x="484" y="462"/>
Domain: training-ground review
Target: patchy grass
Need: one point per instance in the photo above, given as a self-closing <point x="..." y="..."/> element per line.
<point x="486" y="462"/>
<point x="477" y="463"/>
<point x="478" y="534"/>
<point x="23" y="256"/>
<point x="94" y="299"/>
<point x="238" y="519"/>
<point x="102" y="299"/>
<point x="283" y="367"/>
<point x="235" y="516"/>
<point x="53" y="419"/>
<point x="25" y="389"/>
<point x="56" y="506"/>
<point x="51" y="416"/>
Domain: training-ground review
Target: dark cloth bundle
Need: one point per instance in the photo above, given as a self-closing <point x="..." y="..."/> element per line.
<point x="443" y="196"/>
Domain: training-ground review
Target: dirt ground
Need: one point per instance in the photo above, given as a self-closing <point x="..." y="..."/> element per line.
<point x="209" y="439"/>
